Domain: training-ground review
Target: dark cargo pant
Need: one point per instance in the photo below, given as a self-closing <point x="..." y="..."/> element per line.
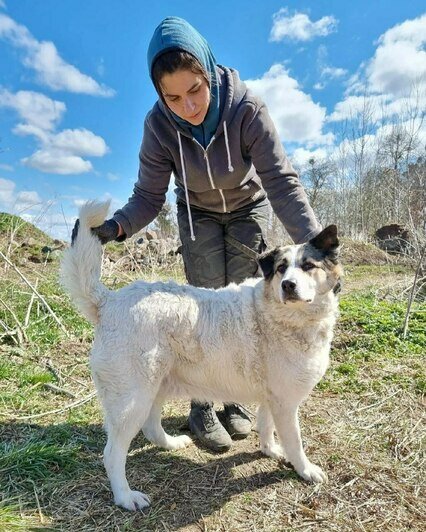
<point x="211" y="261"/>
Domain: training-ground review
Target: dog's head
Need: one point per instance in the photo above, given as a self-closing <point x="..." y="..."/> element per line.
<point x="300" y="273"/>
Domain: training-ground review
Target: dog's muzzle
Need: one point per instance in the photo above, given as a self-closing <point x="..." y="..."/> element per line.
<point x="289" y="287"/>
<point x="290" y="292"/>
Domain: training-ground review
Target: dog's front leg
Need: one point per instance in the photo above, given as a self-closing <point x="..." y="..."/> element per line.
<point x="265" y="426"/>
<point x="287" y="425"/>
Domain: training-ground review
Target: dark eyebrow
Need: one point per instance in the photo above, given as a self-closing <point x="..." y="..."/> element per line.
<point x="196" y="84"/>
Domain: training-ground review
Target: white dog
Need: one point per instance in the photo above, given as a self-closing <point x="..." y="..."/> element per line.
<point x="266" y="341"/>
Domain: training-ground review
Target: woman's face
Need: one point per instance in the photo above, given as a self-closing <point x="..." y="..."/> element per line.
<point x="186" y="94"/>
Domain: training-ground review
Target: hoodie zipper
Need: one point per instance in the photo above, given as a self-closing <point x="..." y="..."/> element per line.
<point x="209" y="173"/>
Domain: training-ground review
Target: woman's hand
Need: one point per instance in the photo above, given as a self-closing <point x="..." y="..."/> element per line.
<point x="106" y="232"/>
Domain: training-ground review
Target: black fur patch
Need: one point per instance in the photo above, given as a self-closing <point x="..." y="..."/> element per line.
<point x="327" y="243"/>
<point x="266" y="262"/>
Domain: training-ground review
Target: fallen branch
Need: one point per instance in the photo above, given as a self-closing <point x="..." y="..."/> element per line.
<point x="30" y="306"/>
<point x="10" y="333"/>
<point x="75" y="404"/>
<point x="22" y="334"/>
<point x="58" y="389"/>
<point x="367" y="407"/>
<point x="410" y="299"/>
<point x="41" y="298"/>
<point x="54" y="371"/>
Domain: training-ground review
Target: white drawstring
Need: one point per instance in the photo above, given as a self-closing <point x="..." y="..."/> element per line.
<point x="230" y="167"/>
<point x="191" y="228"/>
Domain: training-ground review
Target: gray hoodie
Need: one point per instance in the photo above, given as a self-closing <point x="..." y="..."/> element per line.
<point x="244" y="162"/>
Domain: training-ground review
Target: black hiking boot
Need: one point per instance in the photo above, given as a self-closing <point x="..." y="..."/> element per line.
<point x="206" y="427"/>
<point x="236" y="420"/>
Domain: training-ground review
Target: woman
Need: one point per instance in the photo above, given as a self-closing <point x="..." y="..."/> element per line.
<point x="218" y="140"/>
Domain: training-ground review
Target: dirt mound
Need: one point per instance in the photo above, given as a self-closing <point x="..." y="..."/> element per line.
<point x="357" y="252"/>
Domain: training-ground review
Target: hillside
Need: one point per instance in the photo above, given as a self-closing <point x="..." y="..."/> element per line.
<point x="23" y="242"/>
<point x="20" y="230"/>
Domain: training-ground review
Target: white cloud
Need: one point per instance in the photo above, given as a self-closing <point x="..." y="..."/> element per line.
<point x="372" y="106"/>
<point x="379" y="107"/>
<point x="6" y="167"/>
<point x="44" y="59"/>
<point x="35" y="108"/>
<point x="325" y="71"/>
<point x="63" y="153"/>
<point x="296" y="116"/>
<point x="56" y="162"/>
<point x="112" y="177"/>
<point x="7" y="191"/>
<point x="17" y="202"/>
<point x="55" y="224"/>
<point x="333" y="72"/>
<point x="81" y="141"/>
<point x="28" y="197"/>
<point x="392" y="84"/>
<point x="26" y="200"/>
<point x="299" y="27"/>
<point x="60" y="152"/>
<point x="400" y="59"/>
<point x="79" y="202"/>
<point x="301" y="156"/>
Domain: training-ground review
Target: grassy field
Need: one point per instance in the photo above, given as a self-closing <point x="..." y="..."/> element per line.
<point x="364" y="424"/>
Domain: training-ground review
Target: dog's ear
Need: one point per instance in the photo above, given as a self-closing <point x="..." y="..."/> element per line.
<point x="266" y="262"/>
<point x="327" y="242"/>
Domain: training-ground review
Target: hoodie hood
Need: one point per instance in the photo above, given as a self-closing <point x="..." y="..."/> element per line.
<point x="175" y="33"/>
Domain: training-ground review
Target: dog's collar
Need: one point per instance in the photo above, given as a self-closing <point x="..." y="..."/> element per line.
<point x="337" y="287"/>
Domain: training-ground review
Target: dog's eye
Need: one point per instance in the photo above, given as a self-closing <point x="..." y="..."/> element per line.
<point x="308" y="266"/>
<point x="282" y="268"/>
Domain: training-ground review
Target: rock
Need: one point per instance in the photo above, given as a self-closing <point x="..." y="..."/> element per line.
<point x="393" y="238"/>
<point x="59" y="244"/>
<point x="29" y="243"/>
<point x="151" y="235"/>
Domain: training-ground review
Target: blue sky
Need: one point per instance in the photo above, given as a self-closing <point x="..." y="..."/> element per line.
<point x="74" y="85"/>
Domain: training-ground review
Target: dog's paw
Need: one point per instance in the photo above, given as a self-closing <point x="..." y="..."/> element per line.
<point x="313" y="473"/>
<point x="178" y="442"/>
<point x="133" y="500"/>
<point x="274" y="451"/>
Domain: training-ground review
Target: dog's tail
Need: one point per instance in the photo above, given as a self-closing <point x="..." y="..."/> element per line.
<point x="81" y="263"/>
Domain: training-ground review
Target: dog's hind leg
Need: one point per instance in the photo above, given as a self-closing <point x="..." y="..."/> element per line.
<point x="155" y="433"/>
<point x="266" y="428"/>
<point x="125" y="417"/>
<point x="287" y="424"/>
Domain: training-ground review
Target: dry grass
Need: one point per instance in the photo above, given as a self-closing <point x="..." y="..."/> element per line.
<point x="364" y="424"/>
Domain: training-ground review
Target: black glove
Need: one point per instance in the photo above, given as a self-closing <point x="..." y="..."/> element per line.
<point x="106" y="232"/>
<point x="75" y="231"/>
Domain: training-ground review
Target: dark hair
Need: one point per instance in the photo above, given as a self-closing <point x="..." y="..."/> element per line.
<point x="171" y="62"/>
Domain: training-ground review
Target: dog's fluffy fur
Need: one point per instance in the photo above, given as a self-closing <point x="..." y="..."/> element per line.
<point x="266" y="340"/>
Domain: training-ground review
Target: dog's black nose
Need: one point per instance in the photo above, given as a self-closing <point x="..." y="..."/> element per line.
<point x="288" y="286"/>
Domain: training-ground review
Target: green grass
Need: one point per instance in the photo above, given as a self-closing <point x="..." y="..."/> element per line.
<point x="36" y="460"/>
<point x="11" y="519"/>
<point x="369" y="351"/>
